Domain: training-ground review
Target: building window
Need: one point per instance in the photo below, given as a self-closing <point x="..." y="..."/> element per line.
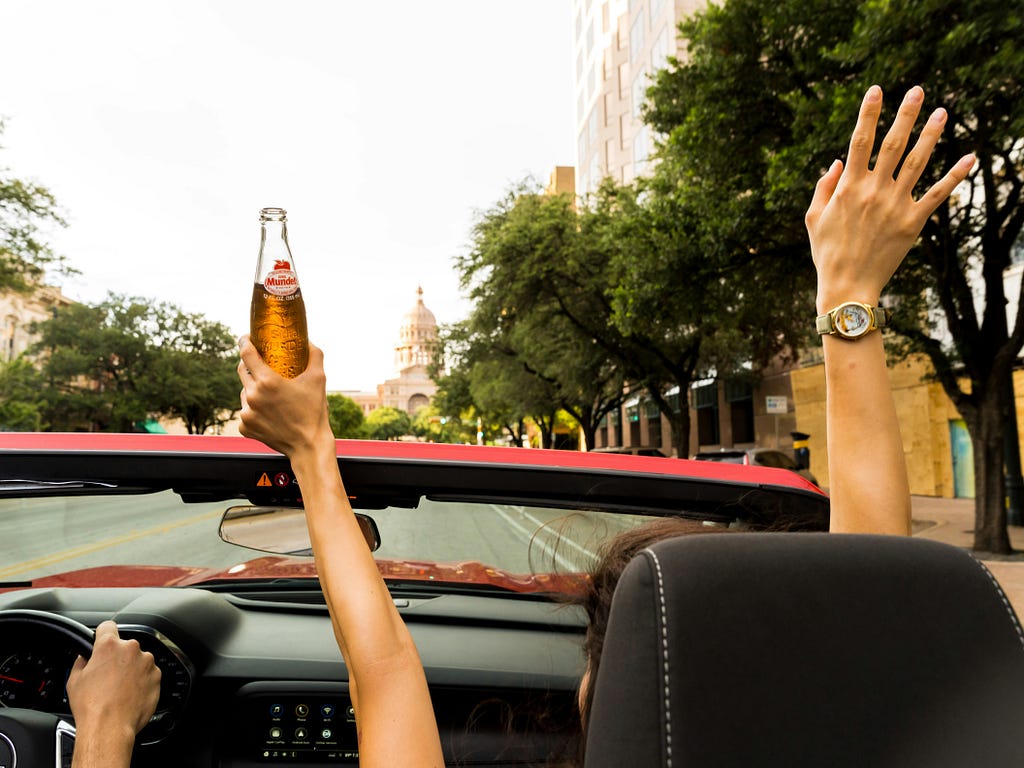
<point x="594" y="172"/>
<point x="583" y="148"/>
<point x="705" y="402"/>
<point x="616" y="420"/>
<point x="653" y="423"/>
<point x="639" y="94"/>
<point x="636" y="37"/>
<point x="659" y="51"/>
<point x="740" y="397"/>
<point x="592" y="125"/>
<point x="633" y="417"/>
<point x="579" y="67"/>
<point x="640" y="150"/>
<point x="656" y="6"/>
<point x="623" y="80"/>
<point x="590" y="37"/>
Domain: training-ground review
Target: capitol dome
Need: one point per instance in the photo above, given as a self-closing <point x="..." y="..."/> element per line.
<point x="417" y="336"/>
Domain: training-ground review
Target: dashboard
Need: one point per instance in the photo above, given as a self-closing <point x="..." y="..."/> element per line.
<point x="256" y="678"/>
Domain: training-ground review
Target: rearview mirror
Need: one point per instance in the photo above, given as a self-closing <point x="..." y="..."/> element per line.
<point x="281" y="530"/>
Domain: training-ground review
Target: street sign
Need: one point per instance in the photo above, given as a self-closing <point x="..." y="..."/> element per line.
<point x="776" y="404"/>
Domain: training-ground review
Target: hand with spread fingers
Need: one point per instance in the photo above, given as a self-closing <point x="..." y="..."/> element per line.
<point x="861" y="222"/>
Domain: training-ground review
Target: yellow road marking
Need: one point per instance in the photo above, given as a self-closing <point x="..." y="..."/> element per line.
<point x="86" y="549"/>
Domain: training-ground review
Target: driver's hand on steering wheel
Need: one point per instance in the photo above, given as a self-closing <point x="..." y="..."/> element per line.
<point x="112" y="696"/>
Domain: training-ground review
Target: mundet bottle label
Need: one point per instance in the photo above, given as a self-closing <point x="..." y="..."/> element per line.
<point x="281" y="280"/>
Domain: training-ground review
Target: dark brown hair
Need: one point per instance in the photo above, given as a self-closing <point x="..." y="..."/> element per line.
<point x="612" y="558"/>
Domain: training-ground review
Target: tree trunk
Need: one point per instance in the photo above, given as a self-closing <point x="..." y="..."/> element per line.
<point x="679" y="421"/>
<point x="990" y="533"/>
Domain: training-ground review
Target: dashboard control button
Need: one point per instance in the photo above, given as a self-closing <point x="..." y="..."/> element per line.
<point x="276" y="710"/>
<point x="302" y="710"/>
<point x="327" y="711"/>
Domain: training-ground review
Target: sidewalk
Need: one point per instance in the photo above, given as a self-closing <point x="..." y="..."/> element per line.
<point x="952" y="521"/>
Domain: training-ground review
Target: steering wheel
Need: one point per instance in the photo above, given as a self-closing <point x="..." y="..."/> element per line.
<point x="28" y="738"/>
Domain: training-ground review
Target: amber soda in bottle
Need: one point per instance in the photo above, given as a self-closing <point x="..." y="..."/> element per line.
<point x="277" y="326"/>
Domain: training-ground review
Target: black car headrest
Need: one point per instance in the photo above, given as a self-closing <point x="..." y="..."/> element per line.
<point x="807" y="649"/>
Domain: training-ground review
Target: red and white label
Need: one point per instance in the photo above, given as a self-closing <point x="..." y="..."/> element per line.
<point x="281" y="282"/>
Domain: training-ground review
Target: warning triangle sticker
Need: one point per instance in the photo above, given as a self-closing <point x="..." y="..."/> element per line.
<point x="264" y="481"/>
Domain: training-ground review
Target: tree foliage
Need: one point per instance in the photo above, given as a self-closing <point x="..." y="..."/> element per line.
<point x="387" y="424"/>
<point x="26" y="209"/>
<point x="346" y="417"/>
<point x="110" y="366"/>
<point x="21" y="399"/>
<point x="764" y="101"/>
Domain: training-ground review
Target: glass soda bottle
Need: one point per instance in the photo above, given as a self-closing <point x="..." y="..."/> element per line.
<point x="277" y="326"/>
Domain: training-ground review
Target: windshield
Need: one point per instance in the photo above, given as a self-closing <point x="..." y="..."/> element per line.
<point x="156" y="539"/>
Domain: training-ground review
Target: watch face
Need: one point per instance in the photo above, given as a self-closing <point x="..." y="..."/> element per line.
<point x="852" y="320"/>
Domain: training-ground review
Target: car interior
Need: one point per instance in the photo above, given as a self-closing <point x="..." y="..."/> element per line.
<point x="252" y="674"/>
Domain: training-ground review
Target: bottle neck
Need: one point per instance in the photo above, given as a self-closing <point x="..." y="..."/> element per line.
<point x="273" y="248"/>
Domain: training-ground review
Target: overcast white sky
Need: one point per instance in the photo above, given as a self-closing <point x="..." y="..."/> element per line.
<point x="381" y="126"/>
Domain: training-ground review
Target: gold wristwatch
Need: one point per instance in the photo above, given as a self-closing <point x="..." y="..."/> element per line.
<point x="852" y="320"/>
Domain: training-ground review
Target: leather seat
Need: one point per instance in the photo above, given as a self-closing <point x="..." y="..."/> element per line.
<point x="807" y="649"/>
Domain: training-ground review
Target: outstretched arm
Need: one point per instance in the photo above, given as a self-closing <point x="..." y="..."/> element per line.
<point x="862" y="222"/>
<point x="394" y="717"/>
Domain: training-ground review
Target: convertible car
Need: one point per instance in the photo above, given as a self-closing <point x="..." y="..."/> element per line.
<point x="196" y="547"/>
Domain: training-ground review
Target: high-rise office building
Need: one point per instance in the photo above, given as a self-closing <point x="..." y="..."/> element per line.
<point x="618" y="46"/>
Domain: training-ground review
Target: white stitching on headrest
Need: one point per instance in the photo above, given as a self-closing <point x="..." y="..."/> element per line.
<point x="1002" y="596"/>
<point x="664" y="656"/>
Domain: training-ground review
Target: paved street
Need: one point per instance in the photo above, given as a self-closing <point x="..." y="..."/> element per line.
<point x="952" y="521"/>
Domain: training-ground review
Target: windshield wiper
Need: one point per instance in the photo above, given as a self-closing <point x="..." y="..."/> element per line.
<point x="14" y="484"/>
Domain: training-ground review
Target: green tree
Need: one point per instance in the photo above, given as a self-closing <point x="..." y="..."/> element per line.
<point x="432" y="425"/>
<point x="21" y="401"/>
<point x="193" y="374"/>
<point x="387" y="424"/>
<point x="539" y="306"/>
<point x="763" y="103"/>
<point x="346" y="417"/>
<point x="26" y="207"/>
<point x="109" y="366"/>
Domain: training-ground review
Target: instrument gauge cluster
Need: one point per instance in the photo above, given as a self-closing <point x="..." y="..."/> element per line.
<point x="35" y="665"/>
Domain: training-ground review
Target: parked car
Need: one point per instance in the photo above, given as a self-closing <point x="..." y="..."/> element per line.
<point x="757" y="457"/>
<point x="478" y="546"/>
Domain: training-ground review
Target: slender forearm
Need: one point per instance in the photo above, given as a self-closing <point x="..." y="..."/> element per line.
<point x="867" y="470"/>
<point x="388" y="684"/>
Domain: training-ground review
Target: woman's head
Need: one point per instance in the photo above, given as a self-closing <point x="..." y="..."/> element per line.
<point x="612" y="558"/>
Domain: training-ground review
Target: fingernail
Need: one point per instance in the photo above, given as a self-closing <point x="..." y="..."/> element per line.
<point x="874" y="94"/>
<point x="938" y="116"/>
<point x="915" y="95"/>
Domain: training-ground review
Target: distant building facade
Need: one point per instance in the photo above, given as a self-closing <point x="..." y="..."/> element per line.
<point x="412" y="389"/>
<point x="18" y="311"/>
<point x="618" y="47"/>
